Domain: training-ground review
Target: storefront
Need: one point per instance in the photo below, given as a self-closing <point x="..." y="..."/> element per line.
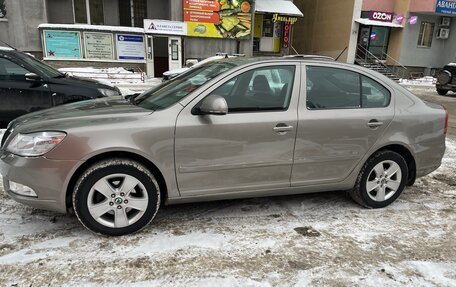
<point x="274" y="20"/>
<point x="374" y="33"/>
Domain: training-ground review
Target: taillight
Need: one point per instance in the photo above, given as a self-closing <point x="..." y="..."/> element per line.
<point x="445" y="129"/>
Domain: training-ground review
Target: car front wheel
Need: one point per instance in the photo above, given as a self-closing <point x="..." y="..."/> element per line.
<point x="116" y="197"/>
<point x="381" y="180"/>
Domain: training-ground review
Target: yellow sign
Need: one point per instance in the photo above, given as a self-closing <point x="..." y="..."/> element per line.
<point x="286" y="19"/>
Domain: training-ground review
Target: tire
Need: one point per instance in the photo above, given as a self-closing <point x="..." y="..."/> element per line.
<point x="116" y="197"/>
<point x="392" y="185"/>
<point x="442" y="92"/>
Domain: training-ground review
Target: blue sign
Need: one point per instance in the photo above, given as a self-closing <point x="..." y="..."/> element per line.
<point x="446" y="7"/>
<point x="130" y="47"/>
<point x="62" y="44"/>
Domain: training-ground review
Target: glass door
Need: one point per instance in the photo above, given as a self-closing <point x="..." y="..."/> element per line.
<point x="378" y="42"/>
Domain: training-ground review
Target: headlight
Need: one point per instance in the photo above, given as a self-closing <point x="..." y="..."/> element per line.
<point x="109" y="92"/>
<point x="35" y="144"/>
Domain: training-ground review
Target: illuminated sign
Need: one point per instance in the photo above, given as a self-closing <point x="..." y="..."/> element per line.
<point x="286" y="19"/>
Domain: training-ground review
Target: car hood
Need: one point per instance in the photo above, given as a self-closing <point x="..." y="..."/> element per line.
<point x="76" y="81"/>
<point x="92" y="112"/>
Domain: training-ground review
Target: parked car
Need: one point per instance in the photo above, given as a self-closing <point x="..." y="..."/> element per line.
<point x="28" y="85"/>
<point x="235" y="128"/>
<point x="446" y="79"/>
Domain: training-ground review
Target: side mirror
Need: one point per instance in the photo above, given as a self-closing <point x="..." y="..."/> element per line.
<point x="214" y="105"/>
<point x="32" y="77"/>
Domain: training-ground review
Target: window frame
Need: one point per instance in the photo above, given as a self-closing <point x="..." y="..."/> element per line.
<point x="297" y="82"/>
<point x="88" y="14"/>
<point x="421" y="34"/>
<point x="360" y="76"/>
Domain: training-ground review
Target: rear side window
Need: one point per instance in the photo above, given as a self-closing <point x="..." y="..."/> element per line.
<point x="333" y="88"/>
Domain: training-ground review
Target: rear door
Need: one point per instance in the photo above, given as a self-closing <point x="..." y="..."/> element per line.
<point x="251" y="147"/>
<point x="344" y="113"/>
<point x="18" y="95"/>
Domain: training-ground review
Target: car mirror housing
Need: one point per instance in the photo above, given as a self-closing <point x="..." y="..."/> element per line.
<point x="213" y="105"/>
<point x="32" y="77"/>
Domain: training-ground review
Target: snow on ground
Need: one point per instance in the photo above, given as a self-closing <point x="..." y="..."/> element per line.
<point x="306" y="240"/>
<point x="425" y="81"/>
<point x="129" y="82"/>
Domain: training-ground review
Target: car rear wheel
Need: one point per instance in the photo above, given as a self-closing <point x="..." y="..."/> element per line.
<point x="381" y="180"/>
<point x="442" y="92"/>
<point x="116" y="197"/>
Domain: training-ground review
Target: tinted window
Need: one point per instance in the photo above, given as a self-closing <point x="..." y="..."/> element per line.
<point x="329" y="88"/>
<point x="11" y="71"/>
<point x="267" y="88"/>
<point x="374" y="94"/>
<point x="332" y="88"/>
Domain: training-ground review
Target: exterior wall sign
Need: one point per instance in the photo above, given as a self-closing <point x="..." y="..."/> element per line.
<point x="286" y="19"/>
<point x="62" y="44"/>
<point x="381" y="16"/>
<point x="446" y="7"/>
<point x="286" y="36"/>
<point x="165" y="27"/>
<point x="228" y="19"/>
<point x="99" y="45"/>
<point x="130" y="47"/>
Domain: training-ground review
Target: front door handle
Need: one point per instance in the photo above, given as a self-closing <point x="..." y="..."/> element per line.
<point x="282" y="129"/>
<point x="374" y="124"/>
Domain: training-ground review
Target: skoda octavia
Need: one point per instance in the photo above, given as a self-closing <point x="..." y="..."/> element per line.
<point x="233" y="129"/>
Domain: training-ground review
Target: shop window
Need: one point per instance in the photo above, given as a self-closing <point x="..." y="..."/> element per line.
<point x="88" y="12"/>
<point x="333" y="88"/>
<point x="2" y="9"/>
<point x="264" y="89"/>
<point x="132" y="12"/>
<point x="268" y="27"/>
<point x="426" y="34"/>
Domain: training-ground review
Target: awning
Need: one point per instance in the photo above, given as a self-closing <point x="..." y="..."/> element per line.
<point x="368" y="22"/>
<point x="282" y="7"/>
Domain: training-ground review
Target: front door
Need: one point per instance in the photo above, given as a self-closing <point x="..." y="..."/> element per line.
<point x="19" y="95"/>
<point x="252" y="146"/>
<point x="343" y="116"/>
<point x="150" y="56"/>
<point x="175" y="53"/>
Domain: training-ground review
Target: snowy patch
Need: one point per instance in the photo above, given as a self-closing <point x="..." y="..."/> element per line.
<point x="426" y="81"/>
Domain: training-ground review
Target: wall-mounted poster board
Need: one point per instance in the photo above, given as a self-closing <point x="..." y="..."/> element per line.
<point x="99" y="45"/>
<point x="130" y="47"/>
<point x="62" y="44"/>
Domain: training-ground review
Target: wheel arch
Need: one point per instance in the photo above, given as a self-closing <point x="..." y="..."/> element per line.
<point x="405" y="152"/>
<point x="115" y="154"/>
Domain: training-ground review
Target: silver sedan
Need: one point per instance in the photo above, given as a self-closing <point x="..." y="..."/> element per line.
<point x="235" y="128"/>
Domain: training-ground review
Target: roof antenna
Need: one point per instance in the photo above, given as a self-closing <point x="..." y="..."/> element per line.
<point x="8" y="45"/>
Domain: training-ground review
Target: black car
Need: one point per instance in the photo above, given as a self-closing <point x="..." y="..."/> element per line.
<point x="446" y="79"/>
<point x="28" y="85"/>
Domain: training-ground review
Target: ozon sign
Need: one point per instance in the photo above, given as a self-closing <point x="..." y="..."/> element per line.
<point x="381" y="16"/>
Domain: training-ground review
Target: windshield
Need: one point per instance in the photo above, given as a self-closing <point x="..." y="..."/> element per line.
<point x="175" y="90"/>
<point x="40" y="66"/>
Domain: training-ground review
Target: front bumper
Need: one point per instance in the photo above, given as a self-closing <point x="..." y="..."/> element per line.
<point x="48" y="178"/>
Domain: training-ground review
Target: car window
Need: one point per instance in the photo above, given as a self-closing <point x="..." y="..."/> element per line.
<point x="41" y="67"/>
<point x="331" y="88"/>
<point x="261" y="89"/>
<point x="11" y="71"/>
<point x="374" y="94"/>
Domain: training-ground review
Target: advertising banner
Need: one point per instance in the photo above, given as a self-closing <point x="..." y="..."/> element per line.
<point x="99" y="45"/>
<point x="165" y="27"/>
<point x="228" y="19"/>
<point x="446" y="7"/>
<point x="130" y="47"/>
<point x="62" y="44"/>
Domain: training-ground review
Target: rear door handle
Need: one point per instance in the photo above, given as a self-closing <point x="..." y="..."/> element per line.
<point x="374" y="124"/>
<point x="282" y="128"/>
